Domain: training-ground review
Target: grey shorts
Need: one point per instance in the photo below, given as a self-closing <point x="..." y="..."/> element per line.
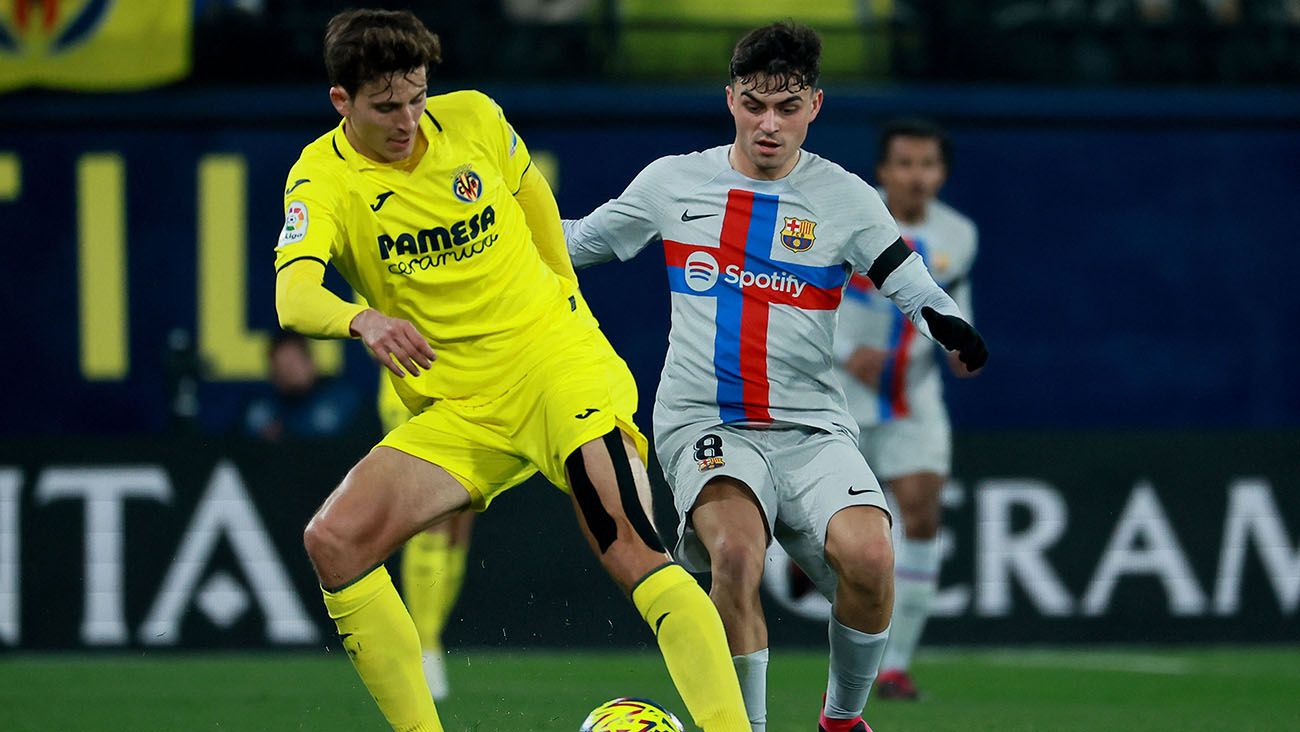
<point x="801" y="477"/>
<point x="918" y="444"/>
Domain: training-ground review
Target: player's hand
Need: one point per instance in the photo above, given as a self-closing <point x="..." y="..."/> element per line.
<point x="393" y="341"/>
<point x="866" y="364"/>
<point x="955" y="334"/>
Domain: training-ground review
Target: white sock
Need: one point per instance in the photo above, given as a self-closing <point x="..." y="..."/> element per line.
<point x="855" y="658"/>
<point x="916" y="580"/>
<point x="751" y="669"/>
<point x="435" y="672"/>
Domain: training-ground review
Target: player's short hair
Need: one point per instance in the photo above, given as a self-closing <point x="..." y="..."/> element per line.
<point x="364" y="45"/>
<point x="914" y="127"/>
<point x="786" y="55"/>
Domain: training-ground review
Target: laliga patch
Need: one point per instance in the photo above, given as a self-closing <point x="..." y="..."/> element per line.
<point x="295" y="223"/>
<point x="797" y="234"/>
<point x="710" y="463"/>
<point x="514" y="142"/>
<point x="466" y="184"/>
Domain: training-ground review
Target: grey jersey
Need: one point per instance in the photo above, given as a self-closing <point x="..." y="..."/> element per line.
<point x="756" y="270"/>
<point x="911" y="382"/>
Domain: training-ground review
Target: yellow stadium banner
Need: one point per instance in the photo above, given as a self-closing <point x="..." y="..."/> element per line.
<point x="93" y="45"/>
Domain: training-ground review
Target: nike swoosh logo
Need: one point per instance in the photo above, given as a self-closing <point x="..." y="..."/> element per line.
<point x="297" y="183"/>
<point x="344" y="636"/>
<point x="686" y="216"/>
<point x="586" y="414"/>
<point x="858" y="493"/>
<point x="660" y="621"/>
<point x="379" y="200"/>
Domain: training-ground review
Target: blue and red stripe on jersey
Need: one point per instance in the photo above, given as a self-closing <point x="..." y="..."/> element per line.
<point x="891" y="394"/>
<point x="741" y="336"/>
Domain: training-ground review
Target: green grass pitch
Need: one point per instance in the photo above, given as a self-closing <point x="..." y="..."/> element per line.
<point x="1219" y="690"/>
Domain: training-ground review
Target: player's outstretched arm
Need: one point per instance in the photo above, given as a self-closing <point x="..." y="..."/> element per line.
<point x="909" y="285"/>
<point x="622" y="227"/>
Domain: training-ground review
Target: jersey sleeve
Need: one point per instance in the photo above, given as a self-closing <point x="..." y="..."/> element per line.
<point x="873" y="232"/>
<point x="511" y="151"/>
<point x="312" y="229"/>
<point x="876" y="250"/>
<point x="625" y="225"/>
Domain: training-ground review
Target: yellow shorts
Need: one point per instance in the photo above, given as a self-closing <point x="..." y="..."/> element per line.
<point x="578" y="392"/>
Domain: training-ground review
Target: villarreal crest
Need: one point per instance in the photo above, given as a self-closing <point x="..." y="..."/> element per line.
<point x="797" y="234"/>
<point x="466" y="184"/>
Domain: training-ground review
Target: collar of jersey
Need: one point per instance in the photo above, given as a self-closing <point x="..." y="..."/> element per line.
<point x="355" y="160"/>
<point x="799" y="165"/>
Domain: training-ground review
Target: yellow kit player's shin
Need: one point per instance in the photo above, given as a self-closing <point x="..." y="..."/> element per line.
<point x="379" y="636"/>
<point x="694" y="648"/>
<point x="424" y="585"/>
<point x="432" y="571"/>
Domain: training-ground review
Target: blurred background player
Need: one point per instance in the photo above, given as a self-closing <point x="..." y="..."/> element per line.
<point x="893" y="382"/>
<point x="301" y="402"/>
<point x="433" y="564"/>
<point x="431" y="209"/>
<point x="750" y="426"/>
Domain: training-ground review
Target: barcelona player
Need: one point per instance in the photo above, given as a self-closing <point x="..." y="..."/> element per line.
<point x="431" y="210"/>
<point x="893" y="383"/>
<point x="751" y="426"/>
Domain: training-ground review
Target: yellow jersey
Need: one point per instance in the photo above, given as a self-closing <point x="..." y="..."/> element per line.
<point x="443" y="245"/>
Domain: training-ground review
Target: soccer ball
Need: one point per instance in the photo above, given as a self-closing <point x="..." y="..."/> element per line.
<point x="626" y="714"/>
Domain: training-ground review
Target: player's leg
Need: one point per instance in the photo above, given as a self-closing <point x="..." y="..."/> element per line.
<point x="433" y="561"/>
<point x="433" y="569"/>
<point x="916" y="578"/>
<point x="859" y="550"/>
<point x="385" y="499"/>
<point x="914" y="454"/>
<point x="611" y="496"/>
<point x="728" y="520"/>
<point x="460" y="527"/>
<point x="832" y="501"/>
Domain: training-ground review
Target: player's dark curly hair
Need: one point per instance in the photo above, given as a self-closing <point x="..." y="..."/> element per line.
<point x="786" y="55"/>
<point x="914" y="127"/>
<point x="364" y="45"/>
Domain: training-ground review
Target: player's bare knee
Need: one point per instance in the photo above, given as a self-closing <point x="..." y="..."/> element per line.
<point x="865" y="564"/>
<point x="323" y="541"/>
<point x="737" y="565"/>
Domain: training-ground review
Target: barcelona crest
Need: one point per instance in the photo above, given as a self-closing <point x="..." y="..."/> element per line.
<point x="797" y="234"/>
<point x="466" y="184"/>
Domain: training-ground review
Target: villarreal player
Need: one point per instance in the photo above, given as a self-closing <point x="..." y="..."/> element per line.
<point x="431" y="210"/>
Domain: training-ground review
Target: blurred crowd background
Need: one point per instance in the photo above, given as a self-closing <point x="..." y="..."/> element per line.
<point x="1073" y="42"/>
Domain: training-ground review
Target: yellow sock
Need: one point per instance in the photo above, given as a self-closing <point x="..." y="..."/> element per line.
<point x="453" y="578"/>
<point x="694" y="647"/>
<point x="424" y="576"/>
<point x="380" y="638"/>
